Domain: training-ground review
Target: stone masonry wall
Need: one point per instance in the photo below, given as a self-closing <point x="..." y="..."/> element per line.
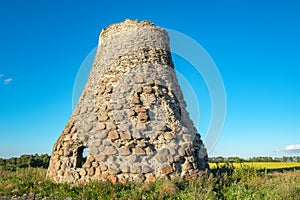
<point x="131" y="116"/>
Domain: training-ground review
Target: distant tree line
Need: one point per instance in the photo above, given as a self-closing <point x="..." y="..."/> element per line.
<point x="42" y="161"/>
<point x="221" y="159"/>
<point x="25" y="161"/>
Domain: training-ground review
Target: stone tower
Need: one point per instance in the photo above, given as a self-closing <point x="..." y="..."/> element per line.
<point x="131" y="116"/>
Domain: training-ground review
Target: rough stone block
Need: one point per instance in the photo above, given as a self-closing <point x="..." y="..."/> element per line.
<point x="166" y="169"/>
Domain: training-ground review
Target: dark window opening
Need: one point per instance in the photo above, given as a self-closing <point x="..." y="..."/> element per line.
<point x="81" y="156"/>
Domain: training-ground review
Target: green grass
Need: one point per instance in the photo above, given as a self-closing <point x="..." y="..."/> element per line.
<point x="226" y="182"/>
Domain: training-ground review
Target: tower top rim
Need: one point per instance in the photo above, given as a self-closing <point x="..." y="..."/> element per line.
<point x="126" y="25"/>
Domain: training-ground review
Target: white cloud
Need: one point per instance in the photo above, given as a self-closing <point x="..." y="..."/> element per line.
<point x="7" y="81"/>
<point x="293" y="148"/>
<point x="1" y="75"/>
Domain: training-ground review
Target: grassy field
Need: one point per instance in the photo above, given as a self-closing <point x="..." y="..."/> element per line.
<point x="225" y="182"/>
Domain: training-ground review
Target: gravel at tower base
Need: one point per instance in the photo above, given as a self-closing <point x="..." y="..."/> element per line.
<point x="131" y="117"/>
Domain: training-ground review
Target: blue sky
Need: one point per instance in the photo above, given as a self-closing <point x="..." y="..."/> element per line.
<point x="254" y="44"/>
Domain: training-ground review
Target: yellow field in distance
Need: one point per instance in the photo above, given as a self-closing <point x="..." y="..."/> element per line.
<point x="261" y="165"/>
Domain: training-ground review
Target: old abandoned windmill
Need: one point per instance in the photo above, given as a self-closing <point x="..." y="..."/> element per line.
<point x="131" y="115"/>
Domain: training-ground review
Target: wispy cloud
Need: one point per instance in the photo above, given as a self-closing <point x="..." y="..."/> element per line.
<point x="1" y="75"/>
<point x="293" y="148"/>
<point x="7" y="81"/>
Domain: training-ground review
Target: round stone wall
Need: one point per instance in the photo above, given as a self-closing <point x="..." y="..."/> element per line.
<point x="131" y="116"/>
